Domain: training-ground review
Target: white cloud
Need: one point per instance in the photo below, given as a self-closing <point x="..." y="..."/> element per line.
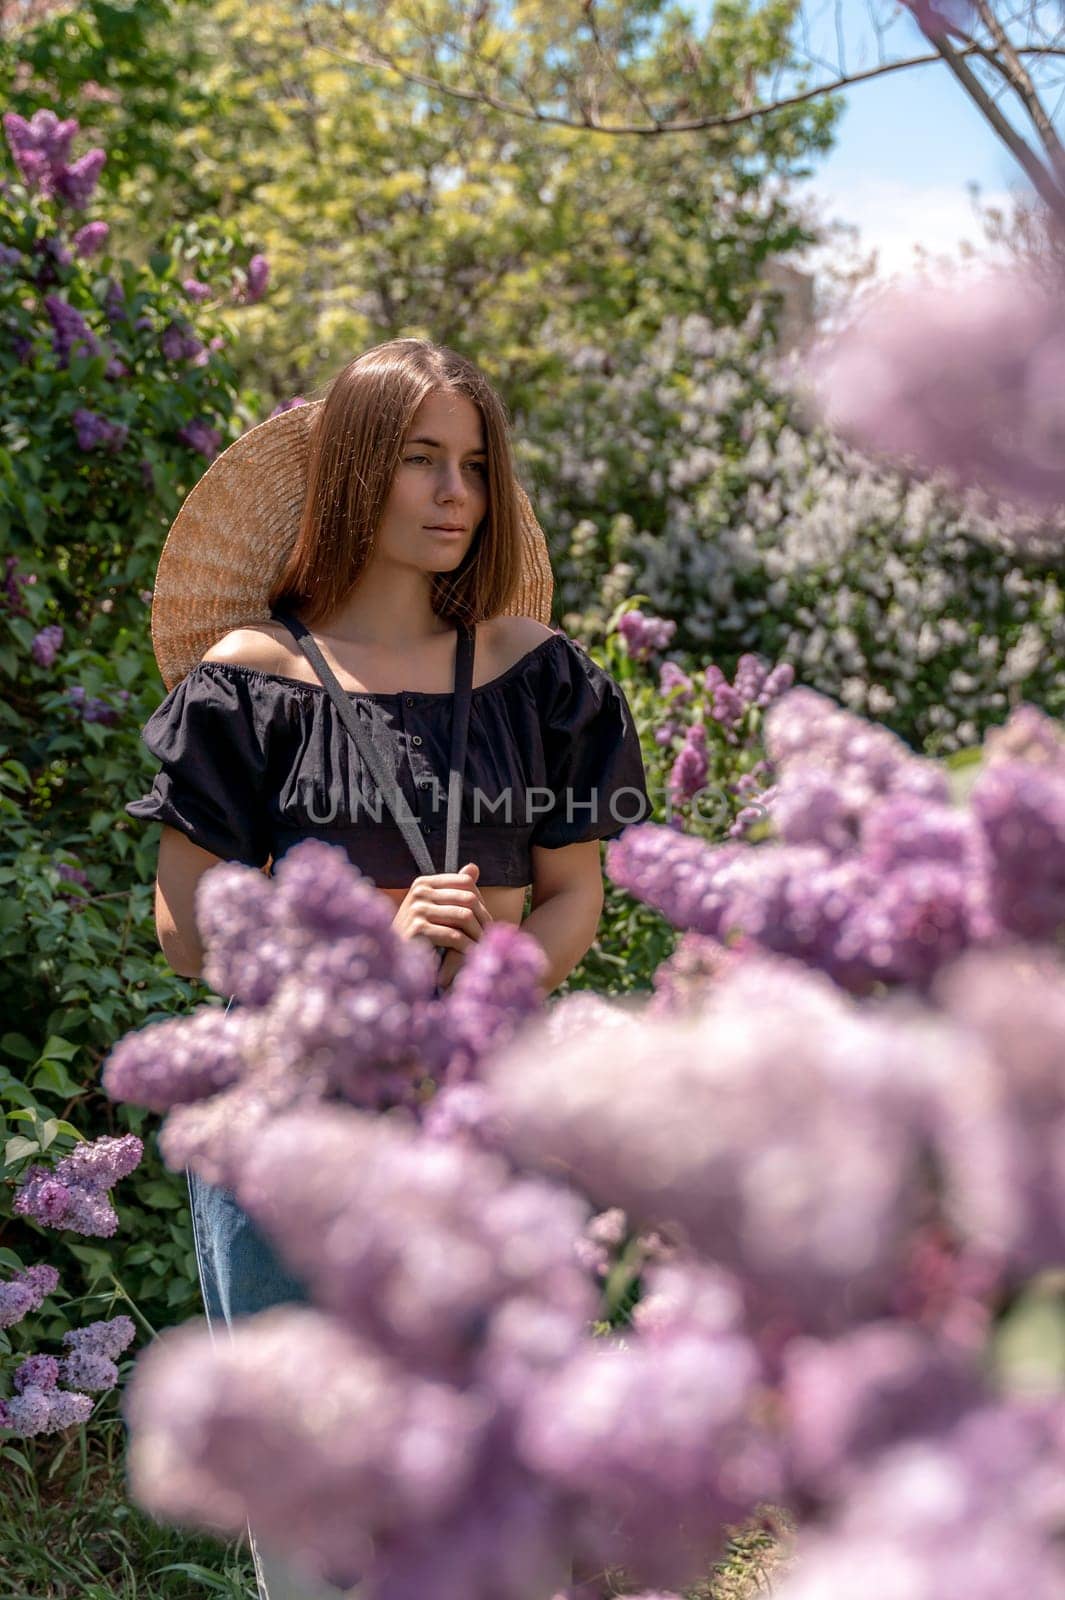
<point x="896" y="217"/>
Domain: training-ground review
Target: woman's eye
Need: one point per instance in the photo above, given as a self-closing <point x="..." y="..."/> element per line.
<point x="478" y="466"/>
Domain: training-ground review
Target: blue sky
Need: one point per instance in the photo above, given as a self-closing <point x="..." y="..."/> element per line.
<point x="907" y="145"/>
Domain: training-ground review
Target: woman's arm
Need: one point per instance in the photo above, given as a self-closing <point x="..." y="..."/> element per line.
<point x="567" y="903"/>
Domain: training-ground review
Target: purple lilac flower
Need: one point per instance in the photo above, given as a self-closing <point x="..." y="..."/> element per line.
<point x="36" y="1411"/>
<point x="40" y="147"/>
<point x="849" y="1399"/>
<point x="778" y="682"/>
<point x="95" y="432"/>
<point x="749" y="679"/>
<point x="91" y="708"/>
<point x="106" y="1338"/>
<point x="356" y="1006"/>
<point x="47" y="645"/>
<point x="10" y="256"/>
<point x="199" y="435"/>
<point x="688" y="772"/>
<point x="725" y="1123"/>
<point x="196" y="290"/>
<point x="597" y="1247"/>
<point x="257" y="279"/>
<point x="682" y="979"/>
<point x="497" y="988"/>
<point x="965" y="382"/>
<point x="71" y="874"/>
<point x="674" y="684"/>
<point x="960" y="1513"/>
<point x="71" y="333"/>
<point x="643" y="634"/>
<point x="88" y="1370"/>
<point x="74" y="1194"/>
<point x="372" y="1453"/>
<point x="90" y="240"/>
<point x="465" y="1111"/>
<point x="77" y="182"/>
<point x="38" y="1372"/>
<point x="114" y="303"/>
<point x="658" y="1444"/>
<point x="667" y="731"/>
<point x="288" y="405"/>
<point x="1028" y="735"/>
<point x="26" y="1292"/>
<point x="16" y="1302"/>
<point x="22" y="348"/>
<point x="1003" y="1134"/>
<point x="408" y="1241"/>
<point x="726" y="706"/>
<point x="183" y="1059"/>
<point x="1021" y="808"/>
<point x="178" y="343"/>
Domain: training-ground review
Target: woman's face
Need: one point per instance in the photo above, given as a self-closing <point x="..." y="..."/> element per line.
<point x="441" y="482"/>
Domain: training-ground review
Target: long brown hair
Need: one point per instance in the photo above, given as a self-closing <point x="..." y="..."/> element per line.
<point x="355" y="449"/>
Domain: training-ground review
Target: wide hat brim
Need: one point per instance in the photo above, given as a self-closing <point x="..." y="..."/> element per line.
<point x="229" y="542"/>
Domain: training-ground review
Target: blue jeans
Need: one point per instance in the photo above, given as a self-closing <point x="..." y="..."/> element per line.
<point x="239" y="1275"/>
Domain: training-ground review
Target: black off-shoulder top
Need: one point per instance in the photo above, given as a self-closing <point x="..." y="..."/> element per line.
<point x="252" y="762"/>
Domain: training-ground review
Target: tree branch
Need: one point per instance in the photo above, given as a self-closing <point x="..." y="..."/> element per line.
<point x="715" y="122"/>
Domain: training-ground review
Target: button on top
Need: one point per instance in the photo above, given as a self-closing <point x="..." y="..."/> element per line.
<point x="410" y="702"/>
<point x="416" y="738"/>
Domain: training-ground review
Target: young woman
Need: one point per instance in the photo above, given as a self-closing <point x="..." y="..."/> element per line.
<point x="350" y="615"/>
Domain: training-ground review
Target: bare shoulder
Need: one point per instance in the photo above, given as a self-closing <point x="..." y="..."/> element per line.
<point x="513" y="637"/>
<point x="261" y="645"/>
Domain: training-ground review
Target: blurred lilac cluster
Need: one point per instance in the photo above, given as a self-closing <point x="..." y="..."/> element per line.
<point x="843" y="1191"/>
<point x="873" y="875"/>
<point x="41" y="150"/>
<point x="91" y="708"/>
<point x="333" y="1003"/>
<point x="644" y="634"/>
<point x="75" y="1194"/>
<point x="965" y="379"/>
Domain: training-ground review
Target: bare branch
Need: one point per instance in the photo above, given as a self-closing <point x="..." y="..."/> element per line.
<point x="1024" y="88"/>
<point x="376" y="56"/>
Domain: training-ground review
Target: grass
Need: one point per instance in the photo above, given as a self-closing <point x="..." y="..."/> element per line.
<point x="69" y="1532"/>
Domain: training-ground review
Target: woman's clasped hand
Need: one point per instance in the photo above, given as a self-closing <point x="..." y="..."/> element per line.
<point x="447" y="909"/>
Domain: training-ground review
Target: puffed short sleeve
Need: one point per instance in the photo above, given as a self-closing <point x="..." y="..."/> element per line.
<point x="592" y="751"/>
<point x="209" y="738"/>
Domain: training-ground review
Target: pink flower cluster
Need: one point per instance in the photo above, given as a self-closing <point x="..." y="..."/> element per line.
<point x="873" y="875"/>
<point x="38" y="1405"/>
<point x="75" y="1193"/>
<point x="332" y="1003"/>
<point x="41" y="151"/>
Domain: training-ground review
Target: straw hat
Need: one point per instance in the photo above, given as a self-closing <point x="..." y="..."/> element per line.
<point x="228" y="544"/>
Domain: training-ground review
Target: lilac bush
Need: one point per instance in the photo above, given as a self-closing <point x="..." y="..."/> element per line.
<point x="688" y="469"/>
<point x="74" y="1196"/>
<point x="637" y="1268"/>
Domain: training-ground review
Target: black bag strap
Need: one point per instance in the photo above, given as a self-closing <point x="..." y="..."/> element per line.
<point x="365" y="743"/>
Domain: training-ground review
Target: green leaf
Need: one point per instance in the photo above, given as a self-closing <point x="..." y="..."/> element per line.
<point x="209" y="1580"/>
<point x="58" y="1049"/>
<point x="157" y="1193"/>
<point x="53" y="1077"/>
<point x="18" y="1148"/>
